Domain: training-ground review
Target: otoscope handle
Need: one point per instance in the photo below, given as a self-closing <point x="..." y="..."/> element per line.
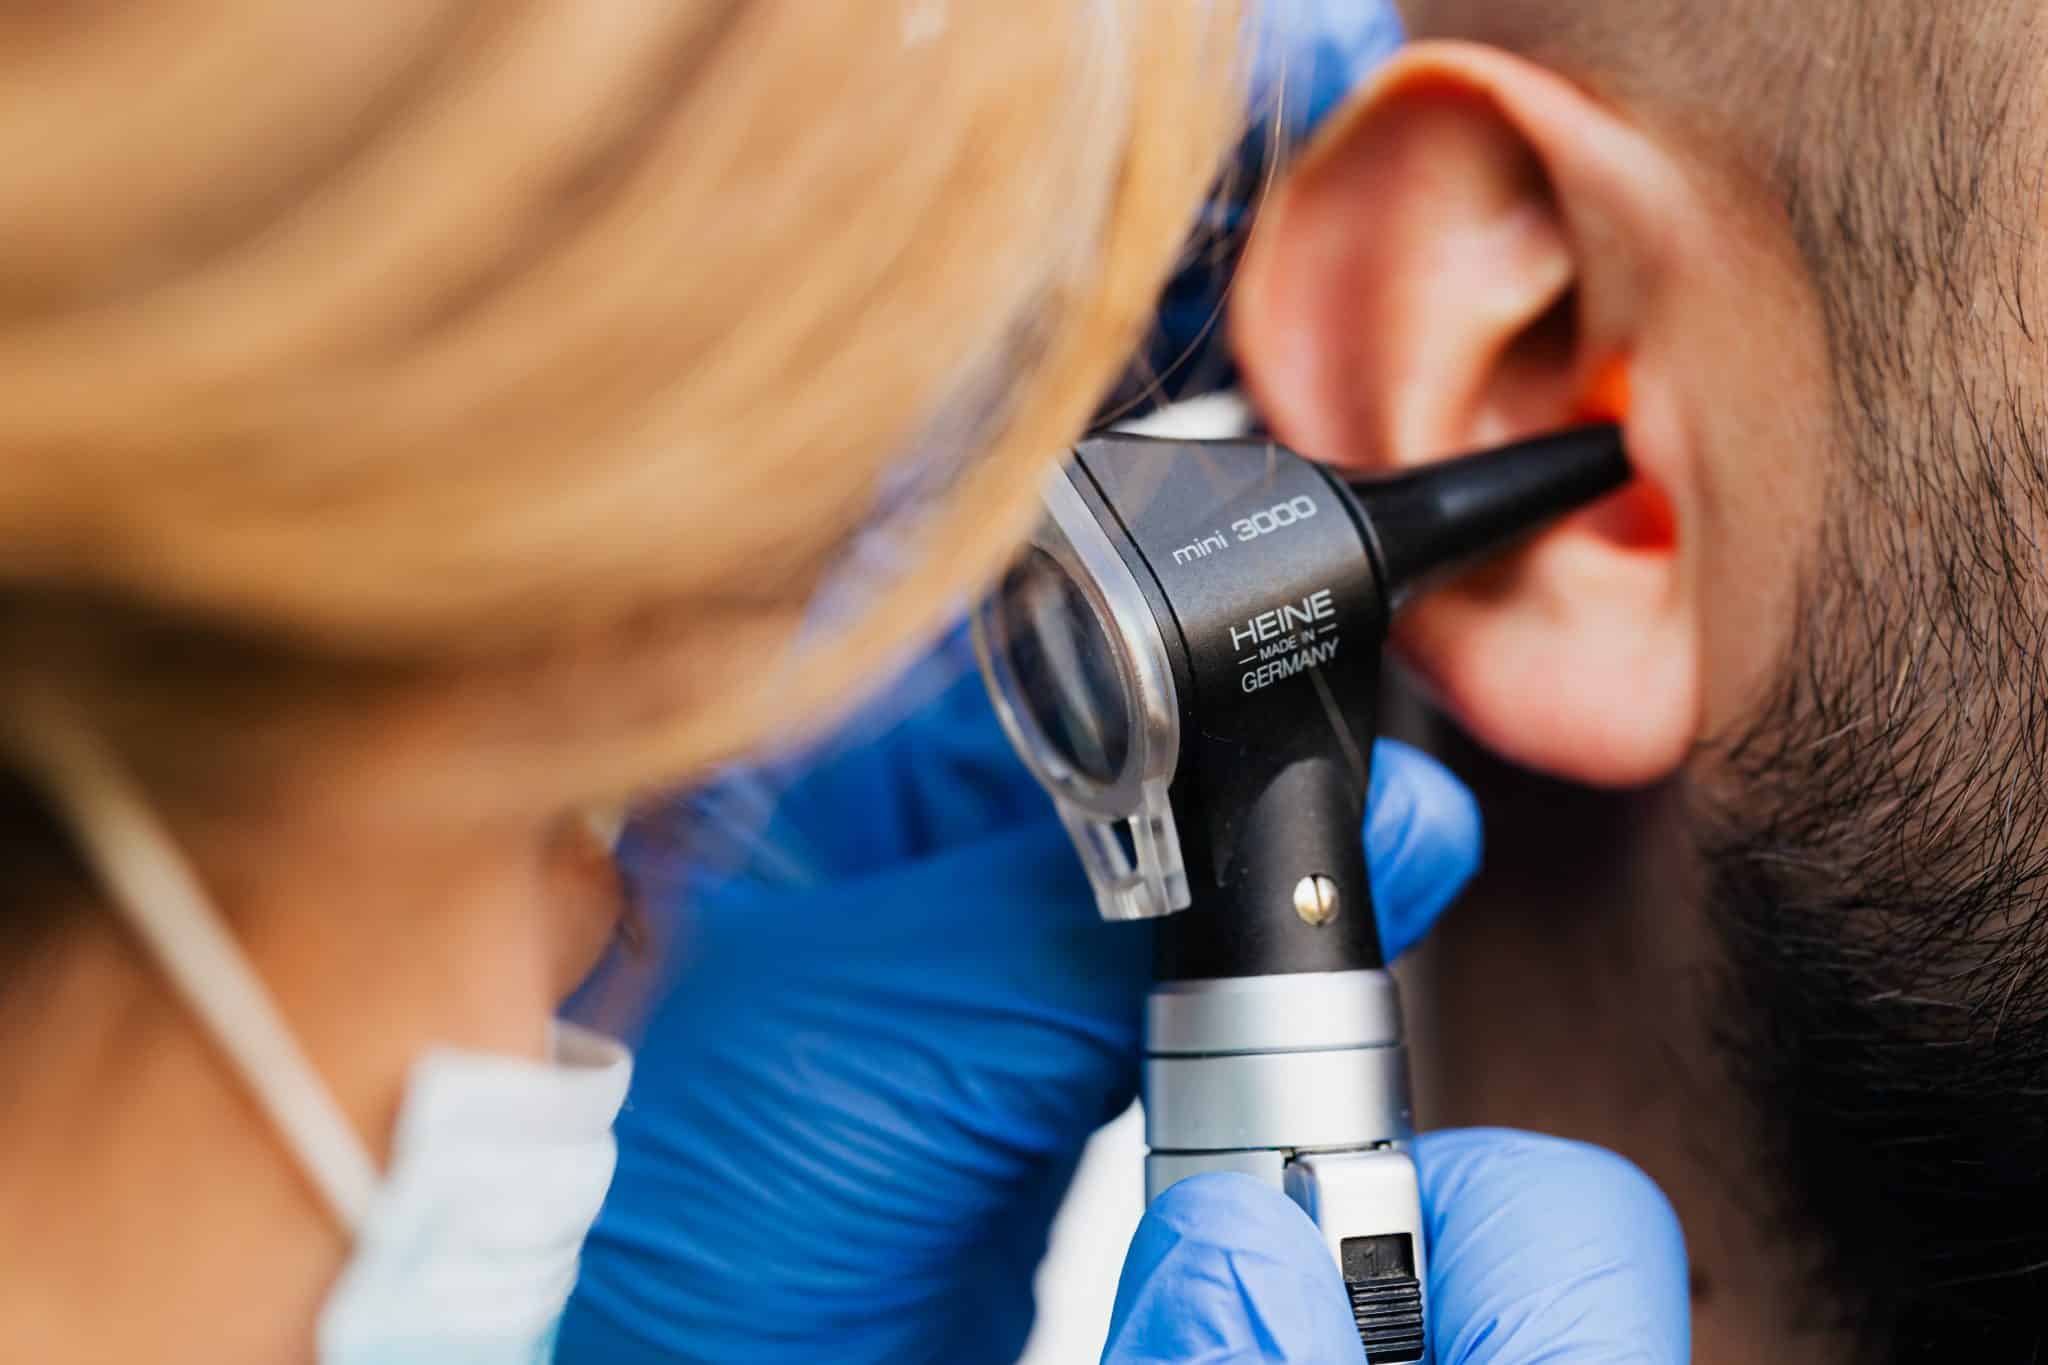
<point x="1368" y="1205"/>
<point x="1301" y="1082"/>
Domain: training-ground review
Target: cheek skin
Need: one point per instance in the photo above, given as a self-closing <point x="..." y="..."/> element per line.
<point x="1758" y="414"/>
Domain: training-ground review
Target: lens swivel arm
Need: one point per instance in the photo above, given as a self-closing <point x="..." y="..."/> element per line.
<point x="1084" y="683"/>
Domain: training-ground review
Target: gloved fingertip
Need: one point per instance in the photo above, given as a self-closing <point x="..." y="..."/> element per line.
<point x="1422" y="842"/>
<point x="1474" y="1166"/>
<point x="1225" y="1268"/>
<point x="1308" y="55"/>
<point x="1539" y="1240"/>
<point x="1236" y="1208"/>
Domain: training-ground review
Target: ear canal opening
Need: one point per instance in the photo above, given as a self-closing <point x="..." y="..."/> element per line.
<point x="1532" y="386"/>
<point x="1551" y="342"/>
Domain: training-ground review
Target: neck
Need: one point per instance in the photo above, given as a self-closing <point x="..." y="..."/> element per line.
<point x="1573" y="991"/>
<point x="140" y="1173"/>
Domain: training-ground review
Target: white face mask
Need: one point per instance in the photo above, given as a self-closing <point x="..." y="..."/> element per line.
<point x="466" y="1250"/>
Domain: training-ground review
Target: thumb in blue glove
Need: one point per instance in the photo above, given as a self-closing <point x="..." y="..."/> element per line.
<point x="1225" y="1268"/>
<point x="1543" y="1249"/>
<point x="1540" y="1250"/>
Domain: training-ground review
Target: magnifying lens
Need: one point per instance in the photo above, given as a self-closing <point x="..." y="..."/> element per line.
<point x="1187" y="657"/>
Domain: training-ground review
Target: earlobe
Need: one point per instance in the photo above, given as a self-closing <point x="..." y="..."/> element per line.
<point x="1455" y="265"/>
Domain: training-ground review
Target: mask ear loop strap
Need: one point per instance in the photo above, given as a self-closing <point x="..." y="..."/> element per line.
<point x="154" y="886"/>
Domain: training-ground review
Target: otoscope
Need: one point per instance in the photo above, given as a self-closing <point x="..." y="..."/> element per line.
<point x="1187" y="656"/>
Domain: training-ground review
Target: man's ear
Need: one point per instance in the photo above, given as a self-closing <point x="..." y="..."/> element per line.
<point x="1472" y="252"/>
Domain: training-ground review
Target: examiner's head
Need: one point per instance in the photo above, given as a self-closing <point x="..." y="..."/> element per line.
<point x="1810" y="232"/>
<point x="421" y="421"/>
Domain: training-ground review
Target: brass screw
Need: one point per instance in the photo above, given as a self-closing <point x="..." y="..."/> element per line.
<point x="1315" y="900"/>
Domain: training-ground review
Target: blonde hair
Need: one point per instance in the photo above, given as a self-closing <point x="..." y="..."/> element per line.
<point x="549" y="355"/>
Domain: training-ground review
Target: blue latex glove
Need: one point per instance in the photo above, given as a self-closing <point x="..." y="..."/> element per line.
<point x="1540" y="1250"/>
<point x="855" y="1115"/>
<point x="1307" y="56"/>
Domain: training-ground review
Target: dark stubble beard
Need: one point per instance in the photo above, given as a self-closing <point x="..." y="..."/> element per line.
<point x="1873" y="840"/>
<point x="1873" y="875"/>
<point x="1874" y="862"/>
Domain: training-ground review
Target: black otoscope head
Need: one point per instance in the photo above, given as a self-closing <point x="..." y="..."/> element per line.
<point x="1219" y="609"/>
<point x="1439" y="518"/>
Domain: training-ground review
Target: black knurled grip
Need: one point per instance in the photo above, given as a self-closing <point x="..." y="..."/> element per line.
<point x="1389" y="1317"/>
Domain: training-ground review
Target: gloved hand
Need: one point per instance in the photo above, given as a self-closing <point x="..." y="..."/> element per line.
<point x="1307" y="56"/>
<point x="1539" y="1250"/>
<point x="856" y="1114"/>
